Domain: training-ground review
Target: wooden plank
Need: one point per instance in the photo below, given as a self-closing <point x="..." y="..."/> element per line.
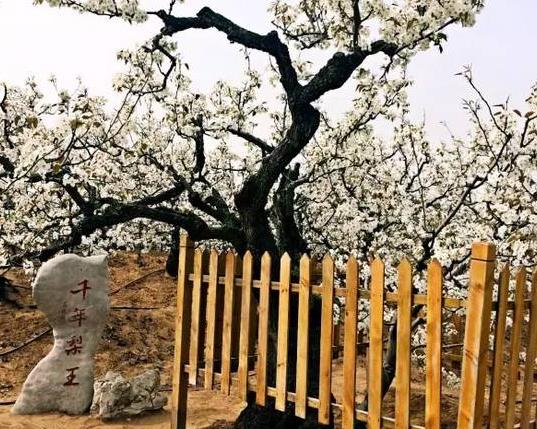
<point x="182" y="335"/>
<point x="229" y="293"/>
<point x="262" y="348"/>
<point x="211" y="320"/>
<point x="303" y="337"/>
<point x="498" y="353"/>
<point x="195" y="331"/>
<point x="327" y="322"/>
<point x="390" y="297"/>
<point x="246" y="313"/>
<point x="283" y="332"/>
<point x="531" y="351"/>
<point x="433" y="372"/>
<point x="236" y="323"/>
<point x="402" y="364"/>
<point x="219" y="320"/>
<point x="515" y="338"/>
<point x="349" y="344"/>
<point x="376" y="317"/>
<point x="474" y="364"/>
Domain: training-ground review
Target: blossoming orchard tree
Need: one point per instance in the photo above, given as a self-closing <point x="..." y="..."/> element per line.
<point x="77" y="174"/>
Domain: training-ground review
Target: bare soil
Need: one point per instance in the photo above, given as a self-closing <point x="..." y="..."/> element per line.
<point x="138" y="336"/>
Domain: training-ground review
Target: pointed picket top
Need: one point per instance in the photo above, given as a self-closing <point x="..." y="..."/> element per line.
<point x="434" y="273"/>
<point x="352" y="278"/>
<point x="230" y="256"/>
<point x="405" y="266"/>
<point x="377" y="264"/>
<point x="266" y="257"/>
<point x="503" y="279"/>
<point x="404" y="281"/>
<point x="521" y="277"/>
<point x="534" y="283"/>
<point x="435" y="268"/>
<point x="266" y="263"/>
<point x="285" y="272"/>
<point x="352" y="267"/>
<point x="328" y="261"/>
<point x="306" y="269"/>
<point x="230" y="266"/>
<point x="248" y="258"/>
<point x="213" y="260"/>
<point x="199" y="251"/>
<point x="435" y="265"/>
<point x="285" y="259"/>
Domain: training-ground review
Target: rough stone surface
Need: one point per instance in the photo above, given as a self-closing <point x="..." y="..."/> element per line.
<point x="117" y="397"/>
<point x="72" y="291"/>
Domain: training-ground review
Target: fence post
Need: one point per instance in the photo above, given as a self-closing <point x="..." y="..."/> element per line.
<point x="475" y="357"/>
<point x="182" y="334"/>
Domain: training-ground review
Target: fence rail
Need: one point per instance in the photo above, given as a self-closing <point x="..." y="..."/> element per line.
<point x="224" y="322"/>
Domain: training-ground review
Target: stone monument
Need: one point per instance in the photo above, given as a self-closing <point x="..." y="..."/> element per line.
<point x="72" y="291"/>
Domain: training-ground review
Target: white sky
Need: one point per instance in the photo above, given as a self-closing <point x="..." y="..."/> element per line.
<point x="41" y="41"/>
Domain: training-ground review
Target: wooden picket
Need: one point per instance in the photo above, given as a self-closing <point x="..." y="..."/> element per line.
<point x="531" y="352"/>
<point x="327" y="317"/>
<point x="262" y="347"/>
<point x="433" y="380"/>
<point x="225" y="381"/>
<point x="474" y="364"/>
<point x="218" y="295"/>
<point x="498" y="357"/>
<point x="246" y="303"/>
<point x="516" y="330"/>
<point x="196" y="324"/>
<point x="349" y="350"/>
<point x="211" y="320"/>
<point x="376" y="316"/>
<point x="404" y="321"/>
<point x="303" y="337"/>
<point x="283" y="333"/>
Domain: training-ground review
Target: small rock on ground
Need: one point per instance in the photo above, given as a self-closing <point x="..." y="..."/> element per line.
<point x="116" y="397"/>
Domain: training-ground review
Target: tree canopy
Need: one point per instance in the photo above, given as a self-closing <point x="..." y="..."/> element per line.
<point x="77" y="173"/>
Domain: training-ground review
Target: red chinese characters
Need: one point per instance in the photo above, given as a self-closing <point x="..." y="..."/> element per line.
<point x="74" y="345"/>
<point x="71" y="377"/>
<point x="84" y="289"/>
<point x="78" y="315"/>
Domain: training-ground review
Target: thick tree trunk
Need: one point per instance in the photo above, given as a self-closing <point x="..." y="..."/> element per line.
<point x="172" y="263"/>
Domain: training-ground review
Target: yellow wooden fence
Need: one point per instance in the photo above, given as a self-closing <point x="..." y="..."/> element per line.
<point x="221" y="330"/>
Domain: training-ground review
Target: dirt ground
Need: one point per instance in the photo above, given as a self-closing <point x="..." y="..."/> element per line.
<point x="139" y="308"/>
